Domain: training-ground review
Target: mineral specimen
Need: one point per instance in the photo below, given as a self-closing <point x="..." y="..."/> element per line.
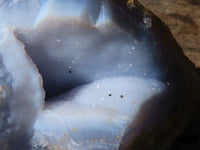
<point x="113" y="77"/>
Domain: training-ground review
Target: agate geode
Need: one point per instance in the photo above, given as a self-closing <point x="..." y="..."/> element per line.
<point x="90" y="75"/>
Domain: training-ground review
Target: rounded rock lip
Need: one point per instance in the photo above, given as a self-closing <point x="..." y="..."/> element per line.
<point x="183" y="96"/>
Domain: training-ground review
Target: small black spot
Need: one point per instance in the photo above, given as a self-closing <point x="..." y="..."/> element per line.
<point x="110" y="95"/>
<point x="121" y="96"/>
<point x="70" y="72"/>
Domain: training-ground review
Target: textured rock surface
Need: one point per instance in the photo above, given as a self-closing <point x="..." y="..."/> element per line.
<point x="183" y="19"/>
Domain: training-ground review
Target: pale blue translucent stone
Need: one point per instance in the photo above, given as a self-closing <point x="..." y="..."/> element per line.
<point x="74" y="43"/>
<point x="95" y="115"/>
<point x="21" y="93"/>
<point x="71" y="9"/>
<point x="21" y="13"/>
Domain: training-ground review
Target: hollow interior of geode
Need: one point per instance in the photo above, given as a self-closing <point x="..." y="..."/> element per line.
<point x="75" y="47"/>
<point x="96" y="75"/>
<point x="102" y="74"/>
<point x="69" y="53"/>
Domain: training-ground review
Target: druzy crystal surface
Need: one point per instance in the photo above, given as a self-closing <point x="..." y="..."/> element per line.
<point x="73" y="75"/>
